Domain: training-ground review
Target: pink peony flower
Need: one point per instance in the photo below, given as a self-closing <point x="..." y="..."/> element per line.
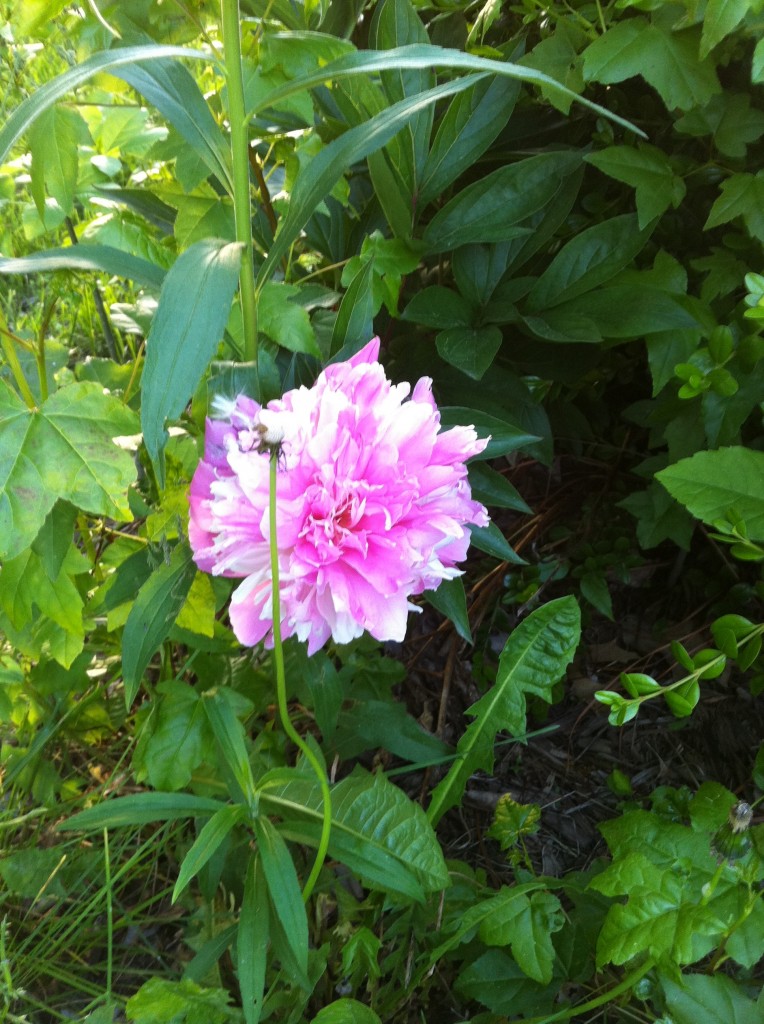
<point x="373" y="504"/>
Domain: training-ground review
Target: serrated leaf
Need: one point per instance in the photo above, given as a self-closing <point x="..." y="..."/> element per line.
<point x="648" y="170"/>
<point x="193" y="310"/>
<point x="62" y="450"/>
<point x="526" y="923"/>
<point x="730" y="118"/>
<point x="286" y="322"/>
<point x="155" y="610"/>
<point x="533" y="660"/>
<point x="158" y="1001"/>
<point x="712" y="484"/>
<point x="376" y="830"/>
<point x="667" y="60"/>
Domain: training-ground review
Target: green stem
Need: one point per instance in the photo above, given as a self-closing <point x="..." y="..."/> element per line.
<point x="289" y="729"/>
<point x="612" y="993"/>
<point x="237" y="117"/>
<point x="109" y="917"/>
<point x="14" y="365"/>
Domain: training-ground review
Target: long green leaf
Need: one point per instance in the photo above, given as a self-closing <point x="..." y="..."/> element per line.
<point x="193" y="309"/>
<point x="43" y="98"/>
<point x="534" y="658"/>
<point x="141" y="809"/>
<point x="283" y="888"/>
<point x="422" y="56"/>
<point x="252" y="942"/>
<point x="172" y="90"/>
<point x="229" y="733"/>
<point x="206" y="844"/>
<point x="87" y="257"/>
<point x="155" y="610"/>
<point x="316" y="181"/>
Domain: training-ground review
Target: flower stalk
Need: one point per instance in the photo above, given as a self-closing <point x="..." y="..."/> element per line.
<point x="278" y="660"/>
<point x="237" y="117"/>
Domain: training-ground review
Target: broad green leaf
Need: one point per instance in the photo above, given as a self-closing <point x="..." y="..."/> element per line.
<point x="658" y="518"/>
<point x="54" y="141"/>
<point x="450" y="600"/>
<point x="376" y="830"/>
<point x="588" y="260"/>
<point x="283" y="888"/>
<point x="491" y="540"/>
<point x="666" y="60"/>
<point x="710" y="998"/>
<point x="64" y="450"/>
<point x="193" y="310"/>
<point x="713" y="484"/>
<point x="439" y="307"/>
<point x="649" y="171"/>
<point x="229" y="733"/>
<point x="730" y="118"/>
<point x="493" y="209"/>
<point x="87" y="257"/>
<point x="526" y="923"/>
<point x="742" y="195"/>
<point x="203" y="216"/>
<point x="159" y="1001"/>
<point x="140" y="809"/>
<point x="174" y="740"/>
<point x="493" y="489"/>
<point x="615" y="311"/>
<point x="198" y="613"/>
<point x="54" y="541"/>
<point x="504" y="437"/>
<point x="495" y="980"/>
<point x="469" y="349"/>
<point x="155" y="610"/>
<point x="369" y="724"/>
<point x="355" y="318"/>
<point x="346" y="1011"/>
<point x="212" y="834"/>
<point x="47" y="95"/>
<point x="252" y="942"/>
<point x="471" y="123"/>
<point x="27" y="589"/>
<point x="757" y="64"/>
<point x="533" y="660"/>
<point x="664" y="868"/>
<point x="285" y="321"/>
<point x="721" y="18"/>
<point x="558" y="55"/>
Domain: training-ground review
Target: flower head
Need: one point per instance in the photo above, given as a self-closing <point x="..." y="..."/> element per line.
<point x="373" y="504"/>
